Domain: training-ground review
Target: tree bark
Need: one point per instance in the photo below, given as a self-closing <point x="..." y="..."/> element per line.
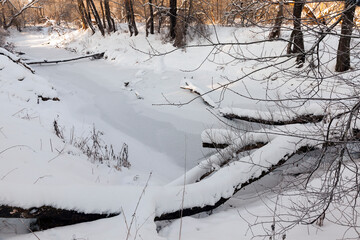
<point x="97" y="17"/>
<point x="151" y="19"/>
<point x="296" y="44"/>
<point x="173" y="17"/>
<point x="301" y="119"/>
<point x="275" y="32"/>
<point x="131" y="17"/>
<point x="85" y="18"/>
<point x="343" y="52"/>
<point x="50" y="217"/>
<point x="103" y="13"/>
<point x="109" y="19"/>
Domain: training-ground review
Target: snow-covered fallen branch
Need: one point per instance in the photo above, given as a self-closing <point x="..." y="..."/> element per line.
<point x="15" y="59"/>
<point x="93" y="56"/>
<point x="271" y="118"/>
<point x="215" y="190"/>
<point x="186" y="84"/>
<point x="242" y="143"/>
<point x="218" y="138"/>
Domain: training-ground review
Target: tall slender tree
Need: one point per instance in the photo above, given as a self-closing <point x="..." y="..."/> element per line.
<point x="173" y="17"/>
<point x="343" y="52"/>
<point x="275" y="32"/>
<point x="296" y="43"/>
<point x="151" y="18"/>
<point x="109" y="19"/>
<point x="130" y="16"/>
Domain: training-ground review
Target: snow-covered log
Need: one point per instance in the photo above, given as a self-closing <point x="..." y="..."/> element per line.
<point x="244" y="142"/>
<point x="271" y="118"/>
<point x="76" y="203"/>
<point x="218" y="138"/>
<point x="215" y="190"/>
<point x="49" y="217"/>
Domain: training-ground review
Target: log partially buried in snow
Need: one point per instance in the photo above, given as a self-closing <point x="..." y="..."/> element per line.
<point x="49" y="217"/>
<point x="273" y="118"/>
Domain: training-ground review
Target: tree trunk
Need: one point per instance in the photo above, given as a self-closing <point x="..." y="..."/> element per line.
<point x="3" y="19"/>
<point x="86" y="22"/>
<point x="110" y="20"/>
<point x="103" y="13"/>
<point x="151" y="19"/>
<point x="160" y="16"/>
<point x="97" y="17"/>
<point x="343" y="52"/>
<point x="131" y="17"/>
<point x="183" y="19"/>
<point x="296" y="44"/>
<point x="173" y="17"/>
<point x="275" y="32"/>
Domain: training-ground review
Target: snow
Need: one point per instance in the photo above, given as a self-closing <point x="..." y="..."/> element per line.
<point x="130" y="96"/>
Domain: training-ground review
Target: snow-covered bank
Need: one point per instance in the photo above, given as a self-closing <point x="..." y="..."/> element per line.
<point x="118" y="96"/>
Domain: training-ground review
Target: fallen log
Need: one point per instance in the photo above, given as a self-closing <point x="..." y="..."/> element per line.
<point x="50" y="217"/>
<point x="248" y="141"/>
<point x="214" y="191"/>
<point x="301" y="119"/>
<point x="249" y="147"/>
<point x="93" y="56"/>
<point x="275" y="118"/>
<point x="188" y="211"/>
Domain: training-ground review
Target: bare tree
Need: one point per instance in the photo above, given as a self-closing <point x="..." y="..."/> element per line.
<point x="16" y="12"/>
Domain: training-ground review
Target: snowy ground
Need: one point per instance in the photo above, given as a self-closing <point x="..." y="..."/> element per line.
<point x="162" y="139"/>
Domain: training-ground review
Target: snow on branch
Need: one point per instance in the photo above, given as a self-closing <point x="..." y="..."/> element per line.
<point x="219" y="187"/>
<point x="15" y="59"/>
<point x="223" y="156"/>
<point x="186" y="84"/>
<point x="12" y="19"/>
<point x="271" y="118"/>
